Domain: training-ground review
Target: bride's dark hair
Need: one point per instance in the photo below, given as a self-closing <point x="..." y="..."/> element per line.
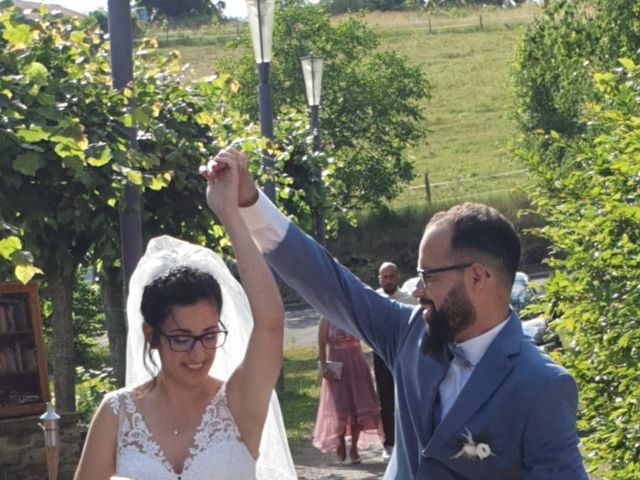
<point x="181" y="285"/>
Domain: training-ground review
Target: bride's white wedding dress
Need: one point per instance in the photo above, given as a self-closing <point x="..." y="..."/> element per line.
<point x="217" y="453"/>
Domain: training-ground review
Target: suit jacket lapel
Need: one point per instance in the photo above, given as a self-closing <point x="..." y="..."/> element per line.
<point x="495" y="365"/>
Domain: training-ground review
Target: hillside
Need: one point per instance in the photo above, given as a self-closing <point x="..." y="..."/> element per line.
<point x="468" y="116"/>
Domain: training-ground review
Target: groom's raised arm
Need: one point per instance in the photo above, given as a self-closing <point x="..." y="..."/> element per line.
<point x="331" y="289"/>
<point x="314" y="274"/>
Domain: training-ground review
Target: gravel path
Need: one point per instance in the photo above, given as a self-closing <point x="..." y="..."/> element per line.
<point x="311" y="464"/>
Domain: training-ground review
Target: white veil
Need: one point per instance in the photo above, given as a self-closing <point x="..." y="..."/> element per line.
<point x="165" y="252"/>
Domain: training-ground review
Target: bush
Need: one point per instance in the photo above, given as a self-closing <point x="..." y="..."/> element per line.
<point x="555" y="64"/>
<point x="593" y="215"/>
<point x="91" y="387"/>
<point x="581" y="143"/>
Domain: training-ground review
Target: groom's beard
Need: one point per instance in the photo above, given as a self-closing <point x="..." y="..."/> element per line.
<point x="455" y="315"/>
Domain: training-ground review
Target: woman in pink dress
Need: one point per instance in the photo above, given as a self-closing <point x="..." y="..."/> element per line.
<point x="348" y="403"/>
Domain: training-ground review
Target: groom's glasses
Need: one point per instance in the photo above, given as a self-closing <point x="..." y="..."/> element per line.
<point x="425" y="273"/>
<point x="185" y="343"/>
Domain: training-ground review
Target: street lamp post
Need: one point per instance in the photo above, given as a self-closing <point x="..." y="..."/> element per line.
<point x="120" y="37"/>
<point x="260" y="15"/>
<point x="312" y="71"/>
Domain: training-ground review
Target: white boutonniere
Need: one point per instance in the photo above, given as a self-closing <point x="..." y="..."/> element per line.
<point x="472" y="450"/>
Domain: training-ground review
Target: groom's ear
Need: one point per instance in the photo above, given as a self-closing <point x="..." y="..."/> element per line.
<point x="479" y="279"/>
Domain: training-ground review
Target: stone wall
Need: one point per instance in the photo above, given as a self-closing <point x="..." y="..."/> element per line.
<point x="22" y="451"/>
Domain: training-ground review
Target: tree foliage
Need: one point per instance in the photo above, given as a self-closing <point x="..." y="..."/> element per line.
<point x="65" y="160"/>
<point x="60" y="134"/>
<point x="371" y="102"/>
<point x="17" y="262"/>
<point x="580" y="140"/>
<point x="556" y="61"/>
<point x="351" y="6"/>
<point x="346" y="6"/>
<point x="593" y="215"/>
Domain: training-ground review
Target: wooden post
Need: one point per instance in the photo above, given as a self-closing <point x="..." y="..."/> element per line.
<point x="427" y="187"/>
<point x="481" y="27"/>
<point x="429" y="17"/>
<point x="53" y="459"/>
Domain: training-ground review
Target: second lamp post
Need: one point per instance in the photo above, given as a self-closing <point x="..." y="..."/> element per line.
<point x="312" y="71"/>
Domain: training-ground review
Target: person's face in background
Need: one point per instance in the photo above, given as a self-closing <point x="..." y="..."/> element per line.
<point x="389" y="279"/>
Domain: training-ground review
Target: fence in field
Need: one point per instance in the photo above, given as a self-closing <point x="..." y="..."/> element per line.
<point x="480" y="22"/>
<point x="429" y="24"/>
<point x="428" y="186"/>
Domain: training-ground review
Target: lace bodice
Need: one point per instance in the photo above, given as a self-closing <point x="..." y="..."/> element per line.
<point x="217" y="453"/>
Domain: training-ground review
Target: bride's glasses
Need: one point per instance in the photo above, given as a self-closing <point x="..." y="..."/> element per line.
<point x="185" y="343"/>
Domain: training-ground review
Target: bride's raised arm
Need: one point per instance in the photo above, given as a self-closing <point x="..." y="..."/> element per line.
<point x="249" y="388"/>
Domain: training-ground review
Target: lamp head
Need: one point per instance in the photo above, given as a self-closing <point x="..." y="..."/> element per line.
<point x="312" y="70"/>
<point x="260" y="15"/>
<point x="50" y="424"/>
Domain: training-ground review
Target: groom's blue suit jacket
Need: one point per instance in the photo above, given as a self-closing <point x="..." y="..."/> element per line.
<point x="517" y="401"/>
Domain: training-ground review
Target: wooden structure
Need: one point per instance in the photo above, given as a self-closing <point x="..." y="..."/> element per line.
<point x="24" y="388"/>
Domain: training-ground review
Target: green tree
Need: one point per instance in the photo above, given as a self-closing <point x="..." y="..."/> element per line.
<point x="371" y="102"/>
<point x="99" y="17"/>
<point x="65" y="163"/>
<point x="593" y="216"/>
<point x="555" y="63"/>
<point x="386" y="5"/>
<point x="337" y="7"/>
<point x="580" y="142"/>
<point x="62" y="157"/>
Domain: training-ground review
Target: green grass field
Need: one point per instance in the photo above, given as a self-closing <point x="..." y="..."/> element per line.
<point x="468" y="115"/>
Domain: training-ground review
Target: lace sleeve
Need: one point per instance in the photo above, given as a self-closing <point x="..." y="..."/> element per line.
<point x="113" y="400"/>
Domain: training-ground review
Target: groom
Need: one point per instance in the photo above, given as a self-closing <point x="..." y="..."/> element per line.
<point x="476" y="399"/>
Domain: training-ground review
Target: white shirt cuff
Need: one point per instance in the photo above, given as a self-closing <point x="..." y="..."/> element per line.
<point x="267" y="225"/>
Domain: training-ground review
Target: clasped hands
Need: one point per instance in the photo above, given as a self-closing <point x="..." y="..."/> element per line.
<point x="228" y="178"/>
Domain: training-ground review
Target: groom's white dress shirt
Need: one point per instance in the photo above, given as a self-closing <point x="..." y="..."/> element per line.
<point x="458" y="373"/>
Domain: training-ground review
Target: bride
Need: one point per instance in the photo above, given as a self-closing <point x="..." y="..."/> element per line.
<point x="208" y="411"/>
